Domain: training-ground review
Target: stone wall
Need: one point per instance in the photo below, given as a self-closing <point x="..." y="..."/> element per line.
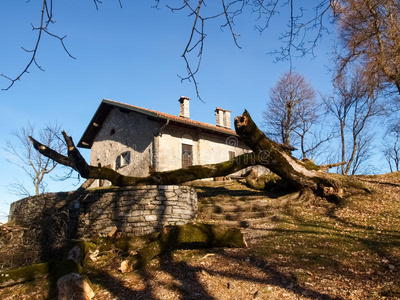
<point x="133" y="210"/>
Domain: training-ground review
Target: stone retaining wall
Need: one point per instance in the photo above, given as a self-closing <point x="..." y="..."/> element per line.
<point x="133" y="210"/>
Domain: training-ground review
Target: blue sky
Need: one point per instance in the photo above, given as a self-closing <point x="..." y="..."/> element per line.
<point x="131" y="55"/>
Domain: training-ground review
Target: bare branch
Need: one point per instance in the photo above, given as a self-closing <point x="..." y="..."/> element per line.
<point x="95" y="3"/>
<point x="189" y="47"/>
<point x="61" y="39"/>
<point x="228" y="23"/>
<point x="47" y="10"/>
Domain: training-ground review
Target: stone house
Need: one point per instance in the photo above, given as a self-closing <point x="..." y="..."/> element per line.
<point x="134" y="140"/>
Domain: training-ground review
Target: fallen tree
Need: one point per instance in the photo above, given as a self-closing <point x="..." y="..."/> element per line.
<point x="297" y="174"/>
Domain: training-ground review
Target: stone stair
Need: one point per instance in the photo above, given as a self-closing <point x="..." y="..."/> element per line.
<point x="237" y="213"/>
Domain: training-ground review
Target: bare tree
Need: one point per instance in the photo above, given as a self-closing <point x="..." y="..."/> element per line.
<point x="291" y="109"/>
<point x="353" y="105"/>
<point x="313" y="131"/>
<point x="369" y="31"/>
<point x="363" y="154"/>
<point x="35" y="165"/>
<point x="391" y="147"/>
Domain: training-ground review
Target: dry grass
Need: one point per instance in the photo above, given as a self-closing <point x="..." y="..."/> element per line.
<point x="310" y="250"/>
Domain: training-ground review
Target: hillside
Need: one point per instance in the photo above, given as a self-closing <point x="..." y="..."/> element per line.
<point x="308" y="249"/>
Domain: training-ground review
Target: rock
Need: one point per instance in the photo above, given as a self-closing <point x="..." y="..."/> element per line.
<point x="74" y="287"/>
<point x="126" y="267"/>
<point x="75" y="254"/>
<point x="113" y="232"/>
<point x="94" y="256"/>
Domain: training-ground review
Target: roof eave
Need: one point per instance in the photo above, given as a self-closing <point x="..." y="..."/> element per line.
<point x="105" y="107"/>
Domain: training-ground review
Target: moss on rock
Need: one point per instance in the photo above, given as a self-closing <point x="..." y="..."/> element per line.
<point x="185" y="236"/>
<point x="268" y="182"/>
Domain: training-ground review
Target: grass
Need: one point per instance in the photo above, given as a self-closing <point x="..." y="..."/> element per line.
<point x="357" y="240"/>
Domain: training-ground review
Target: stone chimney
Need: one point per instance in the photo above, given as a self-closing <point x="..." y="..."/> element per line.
<point x="227" y="119"/>
<point x="184" y="107"/>
<point x="223" y="117"/>
<point x="219" y="113"/>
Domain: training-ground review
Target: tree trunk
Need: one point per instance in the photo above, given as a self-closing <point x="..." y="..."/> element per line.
<point x="270" y="154"/>
<point x="297" y="174"/>
<point x="52" y="269"/>
<point x="187" y="236"/>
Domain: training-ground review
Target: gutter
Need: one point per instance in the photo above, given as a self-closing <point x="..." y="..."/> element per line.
<point x="161" y="129"/>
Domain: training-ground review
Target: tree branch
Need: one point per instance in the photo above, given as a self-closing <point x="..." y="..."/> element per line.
<point x="42" y="28"/>
<point x="326" y="167"/>
<point x="76" y="161"/>
<point x="50" y="153"/>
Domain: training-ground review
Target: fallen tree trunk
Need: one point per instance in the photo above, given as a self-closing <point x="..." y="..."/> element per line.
<point x="270" y="154"/>
<point x="185" y="236"/>
<point x="293" y="171"/>
<point x="77" y="162"/>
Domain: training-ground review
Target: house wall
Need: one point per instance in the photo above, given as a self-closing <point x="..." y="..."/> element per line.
<point x="141" y="136"/>
<point x="122" y="132"/>
<point x="215" y="148"/>
<point x="169" y="152"/>
<point x="207" y="147"/>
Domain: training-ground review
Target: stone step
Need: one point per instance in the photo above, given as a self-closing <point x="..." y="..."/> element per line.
<point x="241" y="206"/>
<point x="244" y="223"/>
<point x="238" y="216"/>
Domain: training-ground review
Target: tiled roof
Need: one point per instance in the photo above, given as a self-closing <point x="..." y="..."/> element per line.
<point x="107" y="104"/>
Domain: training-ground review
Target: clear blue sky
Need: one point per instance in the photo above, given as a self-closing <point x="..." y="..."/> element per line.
<point x="131" y="55"/>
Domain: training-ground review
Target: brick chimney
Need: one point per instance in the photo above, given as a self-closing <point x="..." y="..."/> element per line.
<point x="219" y="113"/>
<point x="184" y="107"/>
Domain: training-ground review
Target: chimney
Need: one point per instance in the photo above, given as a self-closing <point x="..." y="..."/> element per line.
<point x="227" y="119"/>
<point x="219" y="113"/>
<point x="184" y="107"/>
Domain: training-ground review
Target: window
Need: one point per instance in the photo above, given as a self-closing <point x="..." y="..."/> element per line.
<point x="187" y="155"/>
<point x="123" y="160"/>
<point x="232" y="155"/>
